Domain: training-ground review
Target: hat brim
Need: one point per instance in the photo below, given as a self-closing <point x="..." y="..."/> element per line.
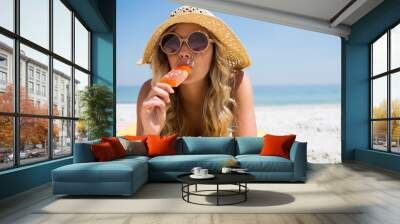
<point x="236" y="53"/>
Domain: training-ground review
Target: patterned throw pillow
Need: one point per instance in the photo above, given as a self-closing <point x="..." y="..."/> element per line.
<point x="134" y="147"/>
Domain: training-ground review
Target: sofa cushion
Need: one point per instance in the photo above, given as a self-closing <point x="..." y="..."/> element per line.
<point x="111" y="171"/>
<point x="248" y="145"/>
<point x="257" y="163"/>
<point x="131" y="158"/>
<point x="185" y="163"/>
<point x="207" y="145"/>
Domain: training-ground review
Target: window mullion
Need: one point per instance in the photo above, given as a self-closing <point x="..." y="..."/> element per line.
<point x="389" y="113"/>
<point x="370" y="98"/>
<point x="16" y="84"/>
<point x="73" y="83"/>
<point x="50" y="81"/>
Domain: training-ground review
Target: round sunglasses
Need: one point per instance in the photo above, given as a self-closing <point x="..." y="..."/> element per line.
<point x="197" y="42"/>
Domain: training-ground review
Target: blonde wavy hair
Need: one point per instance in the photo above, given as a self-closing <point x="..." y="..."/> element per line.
<point x="219" y="104"/>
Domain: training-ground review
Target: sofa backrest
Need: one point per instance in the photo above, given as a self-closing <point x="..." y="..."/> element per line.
<point x="206" y="145"/>
<point x="249" y="145"/>
<point x="191" y="146"/>
<point x="83" y="152"/>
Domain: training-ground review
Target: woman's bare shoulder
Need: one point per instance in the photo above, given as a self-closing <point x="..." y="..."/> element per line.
<point x="144" y="89"/>
<point x="242" y="81"/>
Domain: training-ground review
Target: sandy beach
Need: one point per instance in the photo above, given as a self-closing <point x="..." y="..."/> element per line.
<point x="316" y="124"/>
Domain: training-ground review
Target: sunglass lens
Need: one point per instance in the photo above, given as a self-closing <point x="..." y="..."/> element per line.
<point x="170" y="44"/>
<point x="198" y="41"/>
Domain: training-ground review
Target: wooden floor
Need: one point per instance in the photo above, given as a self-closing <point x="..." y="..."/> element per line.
<point x="378" y="188"/>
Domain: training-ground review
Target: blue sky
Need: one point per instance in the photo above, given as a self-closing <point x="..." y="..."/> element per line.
<point x="280" y="55"/>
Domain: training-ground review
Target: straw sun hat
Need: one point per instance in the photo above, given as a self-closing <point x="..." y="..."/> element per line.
<point x="237" y="57"/>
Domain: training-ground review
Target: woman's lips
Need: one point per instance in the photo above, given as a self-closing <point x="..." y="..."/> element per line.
<point x="187" y="62"/>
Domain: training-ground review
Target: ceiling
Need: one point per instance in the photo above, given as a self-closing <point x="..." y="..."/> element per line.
<point x="333" y="17"/>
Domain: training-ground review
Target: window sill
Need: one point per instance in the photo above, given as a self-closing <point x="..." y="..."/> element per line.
<point x="25" y="167"/>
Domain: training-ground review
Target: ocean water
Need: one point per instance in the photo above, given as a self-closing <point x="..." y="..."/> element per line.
<point x="265" y="95"/>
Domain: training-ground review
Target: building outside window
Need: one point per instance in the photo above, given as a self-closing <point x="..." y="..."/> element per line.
<point x="30" y="87"/>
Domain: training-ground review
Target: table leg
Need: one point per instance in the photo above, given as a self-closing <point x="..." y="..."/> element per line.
<point x="188" y="189"/>
<point x="196" y="188"/>
<point x="245" y="193"/>
<point x="217" y="194"/>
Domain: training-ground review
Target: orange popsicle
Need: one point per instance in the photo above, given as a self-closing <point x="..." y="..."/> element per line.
<point x="177" y="75"/>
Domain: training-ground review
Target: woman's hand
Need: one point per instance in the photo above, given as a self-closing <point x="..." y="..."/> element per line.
<point x="154" y="108"/>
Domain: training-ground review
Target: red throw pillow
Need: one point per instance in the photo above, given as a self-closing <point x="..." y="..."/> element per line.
<point x="275" y="145"/>
<point x="103" y="151"/>
<point x="161" y="145"/>
<point x="116" y="145"/>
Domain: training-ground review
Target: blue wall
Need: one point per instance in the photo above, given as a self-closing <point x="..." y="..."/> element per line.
<point x="355" y="84"/>
<point x="27" y="177"/>
<point x="99" y="16"/>
<point x="103" y="64"/>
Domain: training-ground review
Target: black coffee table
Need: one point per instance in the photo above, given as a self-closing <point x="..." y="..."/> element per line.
<point x="239" y="179"/>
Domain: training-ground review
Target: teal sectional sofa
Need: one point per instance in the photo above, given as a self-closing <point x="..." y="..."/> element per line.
<point x="126" y="175"/>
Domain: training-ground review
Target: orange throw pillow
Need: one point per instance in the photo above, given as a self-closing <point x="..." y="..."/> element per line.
<point x="161" y="145"/>
<point x="276" y="145"/>
<point x="103" y="151"/>
<point x="116" y="145"/>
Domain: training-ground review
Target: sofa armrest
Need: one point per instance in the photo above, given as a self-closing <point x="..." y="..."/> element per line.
<point x="83" y="152"/>
<point x="298" y="155"/>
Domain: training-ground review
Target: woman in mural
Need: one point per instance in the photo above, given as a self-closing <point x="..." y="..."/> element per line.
<point x="216" y="97"/>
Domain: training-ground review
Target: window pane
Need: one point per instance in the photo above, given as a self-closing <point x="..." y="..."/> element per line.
<point x="62" y="89"/>
<point x="395" y="136"/>
<point x="33" y="140"/>
<point x="379" y="55"/>
<point x="81" y="81"/>
<point x="81" y="131"/>
<point x="6" y="74"/>
<point x="395" y="94"/>
<point x="35" y="21"/>
<point x="62" y="29"/>
<point x="62" y="141"/>
<point x="379" y="100"/>
<point x="395" y="47"/>
<point x="34" y="80"/>
<point x="6" y="142"/>
<point x="81" y="45"/>
<point x="379" y="135"/>
<point x="7" y="14"/>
